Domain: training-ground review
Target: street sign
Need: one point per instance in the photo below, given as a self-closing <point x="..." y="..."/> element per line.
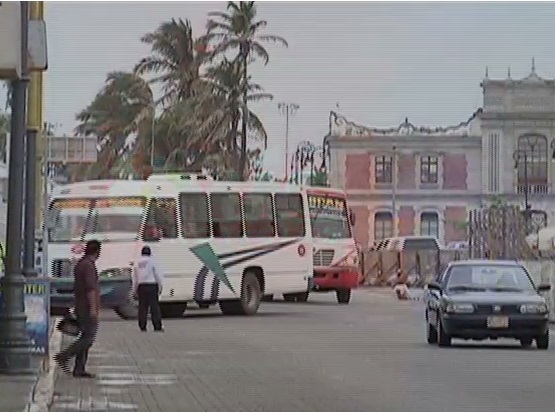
<point x="72" y="149"/>
<point x="10" y="40"/>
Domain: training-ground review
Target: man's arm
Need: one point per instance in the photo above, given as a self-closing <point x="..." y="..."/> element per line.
<point x="158" y="276"/>
<point x="92" y="288"/>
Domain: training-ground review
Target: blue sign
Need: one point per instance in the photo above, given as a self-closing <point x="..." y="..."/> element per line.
<point x="36" y="293"/>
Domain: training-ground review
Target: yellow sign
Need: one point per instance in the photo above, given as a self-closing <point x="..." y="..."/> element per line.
<point x="326" y="202"/>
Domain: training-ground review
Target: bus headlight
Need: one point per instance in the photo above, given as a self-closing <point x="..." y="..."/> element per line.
<point x="115" y="272"/>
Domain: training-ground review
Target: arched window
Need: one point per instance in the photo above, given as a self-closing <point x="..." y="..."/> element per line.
<point x="383" y="225"/>
<point x="429" y="224"/>
<point x="532" y="160"/>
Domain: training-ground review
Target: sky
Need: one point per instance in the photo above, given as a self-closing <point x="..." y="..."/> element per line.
<point x="375" y="63"/>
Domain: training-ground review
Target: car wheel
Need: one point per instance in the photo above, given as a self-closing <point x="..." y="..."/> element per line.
<point x="526" y="342"/>
<point x="343" y="296"/>
<point x="442" y="338"/>
<point x="431" y="334"/>
<point x="542" y="341"/>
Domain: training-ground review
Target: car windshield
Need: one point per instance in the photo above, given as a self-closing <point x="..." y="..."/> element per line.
<point x="329" y="218"/>
<point x="105" y="219"/>
<point x="500" y="278"/>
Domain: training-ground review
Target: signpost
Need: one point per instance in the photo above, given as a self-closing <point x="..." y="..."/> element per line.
<point x="62" y="150"/>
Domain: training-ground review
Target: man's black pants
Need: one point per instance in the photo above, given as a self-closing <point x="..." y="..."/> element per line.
<point x="147" y="294"/>
<point x="80" y="348"/>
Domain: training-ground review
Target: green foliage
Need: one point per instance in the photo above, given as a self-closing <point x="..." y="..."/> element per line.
<point x="195" y="123"/>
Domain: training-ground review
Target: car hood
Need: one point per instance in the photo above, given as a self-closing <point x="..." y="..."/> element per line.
<point x="495" y="297"/>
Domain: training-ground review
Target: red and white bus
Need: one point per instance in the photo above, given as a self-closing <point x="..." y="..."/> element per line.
<point x="335" y="254"/>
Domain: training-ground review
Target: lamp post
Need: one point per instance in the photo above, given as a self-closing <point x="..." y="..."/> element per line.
<point x="305" y="156"/>
<point x="287" y="110"/>
<point x="152" y="134"/>
<point x="15" y="357"/>
<point x="522" y="156"/>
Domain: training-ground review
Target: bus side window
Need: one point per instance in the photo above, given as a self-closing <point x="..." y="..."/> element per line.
<point x="290" y="216"/>
<point x="226" y="215"/>
<point x="259" y="221"/>
<point x="194" y="215"/>
<point x="162" y="217"/>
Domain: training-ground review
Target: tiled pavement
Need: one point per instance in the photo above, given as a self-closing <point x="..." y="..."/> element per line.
<point x="315" y="357"/>
<point x="15" y="390"/>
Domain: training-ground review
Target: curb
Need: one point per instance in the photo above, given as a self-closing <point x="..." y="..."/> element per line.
<point x="42" y="393"/>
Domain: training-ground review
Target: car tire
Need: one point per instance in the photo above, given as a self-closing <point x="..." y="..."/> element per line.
<point x="432" y="336"/>
<point x="249" y="301"/>
<point x="542" y="341"/>
<point x="442" y="338"/>
<point x="172" y="310"/>
<point x="343" y="296"/>
<point x="526" y="342"/>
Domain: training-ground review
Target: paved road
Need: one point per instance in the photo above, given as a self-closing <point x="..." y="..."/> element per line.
<point x="368" y="356"/>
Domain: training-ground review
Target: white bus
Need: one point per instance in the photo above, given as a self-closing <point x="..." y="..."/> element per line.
<point x="217" y="242"/>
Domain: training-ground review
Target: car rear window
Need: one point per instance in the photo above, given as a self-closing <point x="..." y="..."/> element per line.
<point x="420" y="244"/>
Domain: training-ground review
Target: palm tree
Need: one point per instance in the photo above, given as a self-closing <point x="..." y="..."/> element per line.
<point x="124" y="107"/>
<point x="238" y="29"/>
<point x="221" y="109"/>
<point x="175" y="60"/>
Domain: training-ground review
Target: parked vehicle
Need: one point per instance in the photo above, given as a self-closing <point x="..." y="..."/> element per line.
<point x="486" y="299"/>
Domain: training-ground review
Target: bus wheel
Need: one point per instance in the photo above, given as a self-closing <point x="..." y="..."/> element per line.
<point x="289" y="297"/>
<point x="172" y="310"/>
<point x="343" y="296"/>
<point x="267" y="298"/>
<point x="126" y="312"/>
<point x="249" y="301"/>
<point x="302" y="297"/>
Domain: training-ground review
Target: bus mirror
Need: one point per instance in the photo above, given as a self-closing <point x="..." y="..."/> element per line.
<point x="351" y="218"/>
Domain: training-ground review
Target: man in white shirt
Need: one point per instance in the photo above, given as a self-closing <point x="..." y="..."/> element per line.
<point x="147" y="286"/>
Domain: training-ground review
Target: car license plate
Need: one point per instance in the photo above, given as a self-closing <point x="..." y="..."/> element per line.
<point x="498" y="322"/>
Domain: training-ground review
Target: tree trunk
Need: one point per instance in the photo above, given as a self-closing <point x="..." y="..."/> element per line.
<point x="244" y="120"/>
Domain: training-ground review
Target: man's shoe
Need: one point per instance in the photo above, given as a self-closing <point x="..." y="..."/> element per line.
<point x="159" y="330"/>
<point x="62" y="363"/>
<point x="86" y="375"/>
<point x="143" y="330"/>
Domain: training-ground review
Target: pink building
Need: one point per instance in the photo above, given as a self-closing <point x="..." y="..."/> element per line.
<point x="412" y="180"/>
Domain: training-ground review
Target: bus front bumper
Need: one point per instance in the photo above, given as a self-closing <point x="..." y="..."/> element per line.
<point x="332" y="278"/>
<point x="114" y="292"/>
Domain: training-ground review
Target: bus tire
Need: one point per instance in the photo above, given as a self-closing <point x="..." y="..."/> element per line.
<point x="289" y="297"/>
<point x="267" y="298"/>
<point x="172" y="310"/>
<point x="302" y="297"/>
<point x="127" y="312"/>
<point x="343" y="296"/>
<point x="250" y="298"/>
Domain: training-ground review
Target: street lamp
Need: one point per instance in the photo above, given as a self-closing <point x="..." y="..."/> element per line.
<point x="287" y="110"/>
<point x="305" y="156"/>
<point x="521" y="156"/>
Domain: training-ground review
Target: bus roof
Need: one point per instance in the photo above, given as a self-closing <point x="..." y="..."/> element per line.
<point x="173" y="186"/>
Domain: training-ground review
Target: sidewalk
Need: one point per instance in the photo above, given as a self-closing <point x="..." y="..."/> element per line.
<point x="15" y="390"/>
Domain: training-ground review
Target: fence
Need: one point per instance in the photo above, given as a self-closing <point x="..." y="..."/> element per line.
<point x="386" y="267"/>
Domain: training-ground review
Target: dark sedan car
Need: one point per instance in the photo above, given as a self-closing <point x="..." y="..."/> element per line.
<point x="485" y="299"/>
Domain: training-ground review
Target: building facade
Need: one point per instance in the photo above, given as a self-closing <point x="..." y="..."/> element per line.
<point x="410" y="180"/>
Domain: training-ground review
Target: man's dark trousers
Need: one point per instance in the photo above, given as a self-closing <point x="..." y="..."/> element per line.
<point x="80" y="348"/>
<point x="147" y="294"/>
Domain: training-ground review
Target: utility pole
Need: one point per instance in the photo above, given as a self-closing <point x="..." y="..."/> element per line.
<point x="15" y="356"/>
<point x="287" y="110"/>
<point x="33" y="157"/>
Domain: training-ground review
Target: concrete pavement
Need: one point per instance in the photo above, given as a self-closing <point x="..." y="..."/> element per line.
<point x="368" y="356"/>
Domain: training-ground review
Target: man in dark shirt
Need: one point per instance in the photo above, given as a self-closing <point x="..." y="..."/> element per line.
<point x="87" y="306"/>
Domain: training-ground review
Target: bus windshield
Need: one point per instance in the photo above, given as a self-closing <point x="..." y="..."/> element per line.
<point x="105" y="219"/>
<point x="329" y="217"/>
